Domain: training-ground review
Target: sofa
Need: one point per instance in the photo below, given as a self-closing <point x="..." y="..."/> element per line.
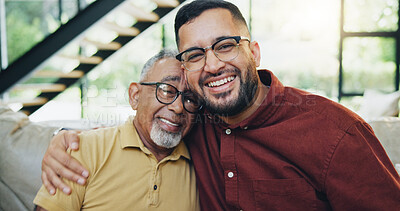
<point x="23" y="144"/>
<point x="387" y="129"/>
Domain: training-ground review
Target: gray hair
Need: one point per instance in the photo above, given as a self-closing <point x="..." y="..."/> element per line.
<point x="164" y="53"/>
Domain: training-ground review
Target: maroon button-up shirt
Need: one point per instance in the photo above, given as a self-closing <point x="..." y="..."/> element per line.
<point x="298" y="151"/>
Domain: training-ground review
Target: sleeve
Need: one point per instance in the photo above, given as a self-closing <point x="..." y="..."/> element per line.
<point x="360" y="175"/>
<point x="60" y="201"/>
<point x="74" y="201"/>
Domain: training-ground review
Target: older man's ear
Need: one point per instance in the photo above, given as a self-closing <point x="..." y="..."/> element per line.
<point x="134" y="95"/>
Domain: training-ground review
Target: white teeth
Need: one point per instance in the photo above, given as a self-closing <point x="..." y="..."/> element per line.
<point x="168" y="122"/>
<point x="221" y="82"/>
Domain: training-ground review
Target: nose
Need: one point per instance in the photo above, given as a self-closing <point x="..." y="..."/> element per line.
<point x="176" y="106"/>
<point x="212" y="63"/>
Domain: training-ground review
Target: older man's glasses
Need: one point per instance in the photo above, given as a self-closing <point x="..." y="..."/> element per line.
<point x="167" y="94"/>
<point x="225" y="49"/>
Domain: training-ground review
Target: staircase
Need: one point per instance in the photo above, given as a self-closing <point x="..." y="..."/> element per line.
<point x="72" y="51"/>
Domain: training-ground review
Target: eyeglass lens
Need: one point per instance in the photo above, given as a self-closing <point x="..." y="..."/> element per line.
<point x="167" y="94"/>
<point x="225" y="50"/>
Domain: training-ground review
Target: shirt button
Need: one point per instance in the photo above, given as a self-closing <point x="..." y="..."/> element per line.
<point x="245" y="127"/>
<point x="155" y="187"/>
<point x="230" y="174"/>
<point x="228" y="131"/>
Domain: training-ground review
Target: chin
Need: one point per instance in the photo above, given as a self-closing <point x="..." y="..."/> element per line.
<point x="229" y="104"/>
<point x="224" y="99"/>
<point x="164" y="138"/>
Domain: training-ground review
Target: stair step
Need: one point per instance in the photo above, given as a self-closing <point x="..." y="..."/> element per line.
<point x="122" y="31"/>
<point x="83" y="59"/>
<point x="27" y="104"/>
<point x="33" y="102"/>
<point x="54" y="74"/>
<point x="167" y="3"/>
<point x="139" y="14"/>
<point x="68" y="60"/>
<point x="25" y="112"/>
<point x="102" y="46"/>
<point x="44" y="88"/>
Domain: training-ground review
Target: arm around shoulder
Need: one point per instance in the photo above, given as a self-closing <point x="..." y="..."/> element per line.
<point x="60" y="201"/>
<point x="58" y="163"/>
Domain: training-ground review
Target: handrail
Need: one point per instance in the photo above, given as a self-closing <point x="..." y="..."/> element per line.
<point x="3" y="28"/>
<point x="31" y="60"/>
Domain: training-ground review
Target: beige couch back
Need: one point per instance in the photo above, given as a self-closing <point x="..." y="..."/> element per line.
<point x="22" y="146"/>
<point x="387" y="129"/>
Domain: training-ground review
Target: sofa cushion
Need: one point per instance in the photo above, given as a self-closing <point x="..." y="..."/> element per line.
<point x="387" y="129"/>
<point x="22" y="146"/>
<point x="377" y="104"/>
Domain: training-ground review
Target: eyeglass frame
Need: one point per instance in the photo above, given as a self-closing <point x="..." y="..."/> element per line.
<point x="176" y="96"/>
<point x="236" y="38"/>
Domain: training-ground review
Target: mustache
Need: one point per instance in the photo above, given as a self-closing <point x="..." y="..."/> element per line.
<point x="211" y="75"/>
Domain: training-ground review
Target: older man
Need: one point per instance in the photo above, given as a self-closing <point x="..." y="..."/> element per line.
<point x="142" y="164"/>
<point x="264" y="146"/>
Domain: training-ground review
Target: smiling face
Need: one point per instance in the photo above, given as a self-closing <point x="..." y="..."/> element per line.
<point x="164" y="125"/>
<point x="226" y="88"/>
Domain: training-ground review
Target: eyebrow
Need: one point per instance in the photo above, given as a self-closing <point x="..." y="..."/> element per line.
<point x="171" y="78"/>
<point x="220" y="38"/>
<point x="214" y="41"/>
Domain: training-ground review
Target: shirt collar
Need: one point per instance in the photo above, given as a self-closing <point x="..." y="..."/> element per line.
<point x="130" y="138"/>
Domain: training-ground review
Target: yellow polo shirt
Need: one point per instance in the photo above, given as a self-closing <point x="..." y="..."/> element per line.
<point x="125" y="175"/>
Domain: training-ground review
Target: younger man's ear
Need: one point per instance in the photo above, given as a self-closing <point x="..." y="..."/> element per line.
<point x="134" y="95"/>
<point x="255" y="50"/>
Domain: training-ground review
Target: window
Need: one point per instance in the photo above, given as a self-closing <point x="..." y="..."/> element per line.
<point x="299" y="42"/>
<point x="369" y="48"/>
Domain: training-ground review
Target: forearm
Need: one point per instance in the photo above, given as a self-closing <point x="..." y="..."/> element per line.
<point x="57" y="163"/>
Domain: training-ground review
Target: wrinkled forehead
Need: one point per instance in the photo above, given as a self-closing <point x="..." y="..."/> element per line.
<point x="168" y="70"/>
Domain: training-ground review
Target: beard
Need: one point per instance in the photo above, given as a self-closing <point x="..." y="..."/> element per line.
<point x="164" y="138"/>
<point x="247" y="91"/>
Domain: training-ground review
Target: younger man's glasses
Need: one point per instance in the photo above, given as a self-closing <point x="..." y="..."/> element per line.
<point x="167" y="94"/>
<point x="225" y="49"/>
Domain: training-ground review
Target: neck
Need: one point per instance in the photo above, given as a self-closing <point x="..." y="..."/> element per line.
<point x="159" y="152"/>
<point x="261" y="94"/>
